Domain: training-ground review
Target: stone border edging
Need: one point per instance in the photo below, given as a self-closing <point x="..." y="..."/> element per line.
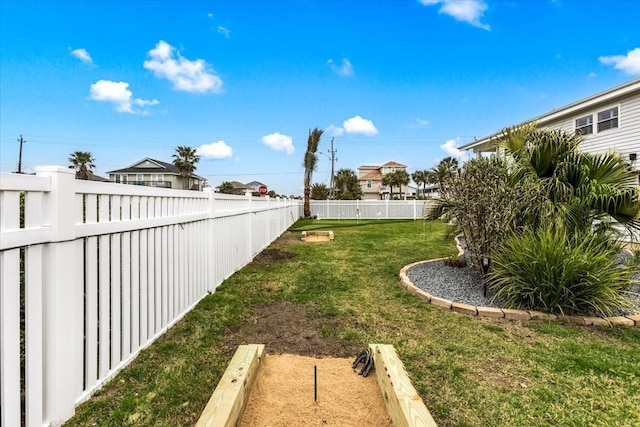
<point x="507" y="313"/>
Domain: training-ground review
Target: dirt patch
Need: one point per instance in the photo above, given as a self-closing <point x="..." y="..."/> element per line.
<point x="283" y="394"/>
<point x="285" y="327"/>
<point x="270" y="256"/>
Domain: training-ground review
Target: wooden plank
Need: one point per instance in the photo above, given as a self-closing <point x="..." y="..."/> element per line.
<point x="226" y="405"/>
<point x="404" y="404"/>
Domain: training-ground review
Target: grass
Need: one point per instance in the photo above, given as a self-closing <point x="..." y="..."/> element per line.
<point x="469" y="371"/>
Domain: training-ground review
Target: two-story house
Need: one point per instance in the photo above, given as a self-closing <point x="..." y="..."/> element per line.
<point x="370" y="180"/>
<point x="609" y="121"/>
<point x="155" y="173"/>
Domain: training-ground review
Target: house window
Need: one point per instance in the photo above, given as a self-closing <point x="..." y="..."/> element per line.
<point x="608" y="119"/>
<point x="139" y="177"/>
<point x="368" y="183"/>
<point x="584" y="125"/>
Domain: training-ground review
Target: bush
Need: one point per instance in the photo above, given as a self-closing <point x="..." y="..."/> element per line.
<point x="553" y="272"/>
<point x="455" y="261"/>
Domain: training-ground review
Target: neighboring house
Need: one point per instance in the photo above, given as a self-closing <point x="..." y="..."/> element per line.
<point x="609" y="121"/>
<point x="255" y="185"/>
<point x="154" y="173"/>
<point x="370" y="180"/>
<point x="238" y="188"/>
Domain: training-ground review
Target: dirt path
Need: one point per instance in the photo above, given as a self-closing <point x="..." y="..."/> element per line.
<point x="283" y="394"/>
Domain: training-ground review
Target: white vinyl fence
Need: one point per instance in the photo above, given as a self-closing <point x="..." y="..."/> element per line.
<point x="107" y="268"/>
<point x="369" y="209"/>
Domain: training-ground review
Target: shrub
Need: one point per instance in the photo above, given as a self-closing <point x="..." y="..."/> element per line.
<point x="551" y="271"/>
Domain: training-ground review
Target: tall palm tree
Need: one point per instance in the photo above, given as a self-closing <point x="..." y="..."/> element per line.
<point x="398" y="178"/>
<point x="185" y="159"/>
<point x="420" y="177"/>
<point x="82" y="162"/>
<point x="309" y="163"/>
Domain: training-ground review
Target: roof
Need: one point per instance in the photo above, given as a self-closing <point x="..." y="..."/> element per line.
<point x="254" y="184"/>
<point x="375" y="175"/>
<point x="393" y="165"/>
<point x="606" y="96"/>
<point x="161" y="168"/>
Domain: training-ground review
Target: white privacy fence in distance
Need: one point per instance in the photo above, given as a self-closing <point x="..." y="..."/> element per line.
<point x="101" y="270"/>
<point x="369" y="209"/>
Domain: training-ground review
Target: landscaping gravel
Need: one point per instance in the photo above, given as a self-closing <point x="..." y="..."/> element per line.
<point x="464" y="285"/>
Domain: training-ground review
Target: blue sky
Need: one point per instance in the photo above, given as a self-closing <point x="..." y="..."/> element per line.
<point x="244" y="81"/>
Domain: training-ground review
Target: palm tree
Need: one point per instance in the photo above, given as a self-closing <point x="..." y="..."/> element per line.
<point x="443" y="171"/>
<point x="319" y="191"/>
<point x="346" y="184"/>
<point x="226" y="188"/>
<point x="309" y="164"/>
<point x="398" y="178"/>
<point x="420" y="177"/>
<point x="571" y="189"/>
<point x="82" y="162"/>
<point x="185" y="159"/>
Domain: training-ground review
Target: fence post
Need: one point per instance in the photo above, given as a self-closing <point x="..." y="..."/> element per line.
<point x="62" y="298"/>
<point x="250" y="224"/>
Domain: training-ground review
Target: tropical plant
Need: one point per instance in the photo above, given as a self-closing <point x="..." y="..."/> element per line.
<point x="397" y="178"/>
<point x="319" y="191"/>
<point x="82" y="162"/>
<point x="346" y="185"/>
<point x="553" y="271"/>
<point x="226" y="188"/>
<point x="420" y="177"/>
<point x="444" y="170"/>
<point x="185" y="159"/>
<point x="309" y="163"/>
<point x="573" y="189"/>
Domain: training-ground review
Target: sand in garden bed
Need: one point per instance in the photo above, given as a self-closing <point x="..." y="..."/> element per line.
<point x="283" y="394"/>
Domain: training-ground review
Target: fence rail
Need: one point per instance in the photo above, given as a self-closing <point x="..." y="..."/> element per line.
<point x="92" y="272"/>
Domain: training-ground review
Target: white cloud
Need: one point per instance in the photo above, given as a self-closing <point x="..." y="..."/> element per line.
<point x="592" y="75"/>
<point x="188" y="76"/>
<point x="215" y="150"/>
<point x="357" y="124"/>
<point x="279" y="142"/>
<point x="469" y="11"/>
<point x="345" y="70"/>
<point x="630" y="63"/>
<point x="82" y="55"/>
<point x="450" y="148"/>
<point x="334" y="131"/>
<point x="119" y="94"/>
<point x="421" y="123"/>
<point x="224" y="31"/>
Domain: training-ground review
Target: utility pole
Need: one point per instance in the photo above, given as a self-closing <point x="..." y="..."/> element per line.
<point x="21" y="141"/>
<point x="333" y="152"/>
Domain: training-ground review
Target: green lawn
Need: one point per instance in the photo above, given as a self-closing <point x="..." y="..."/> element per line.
<point x="469" y="371"/>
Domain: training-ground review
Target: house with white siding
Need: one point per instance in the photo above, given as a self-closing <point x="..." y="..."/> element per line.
<point x="609" y="121"/>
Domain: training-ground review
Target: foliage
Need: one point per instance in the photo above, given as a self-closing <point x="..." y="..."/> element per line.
<point x="185" y="159"/>
<point x="570" y="188"/>
<point x="553" y="271"/>
<point x="309" y="163"/>
<point x="485" y="205"/>
<point x="319" y="191"/>
<point x="420" y="177"/>
<point x="82" y="162"/>
<point x="347" y="186"/>
<point x="226" y="188"/>
<point x="442" y="172"/>
<point x="397" y="178"/>
<point x="455" y="261"/>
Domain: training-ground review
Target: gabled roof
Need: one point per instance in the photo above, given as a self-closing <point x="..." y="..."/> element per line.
<point x="592" y="101"/>
<point x="254" y="184"/>
<point x="393" y="165"/>
<point x="160" y="167"/>
<point x="373" y="175"/>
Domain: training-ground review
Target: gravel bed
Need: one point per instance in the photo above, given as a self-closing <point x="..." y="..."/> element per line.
<point x="464" y="285"/>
